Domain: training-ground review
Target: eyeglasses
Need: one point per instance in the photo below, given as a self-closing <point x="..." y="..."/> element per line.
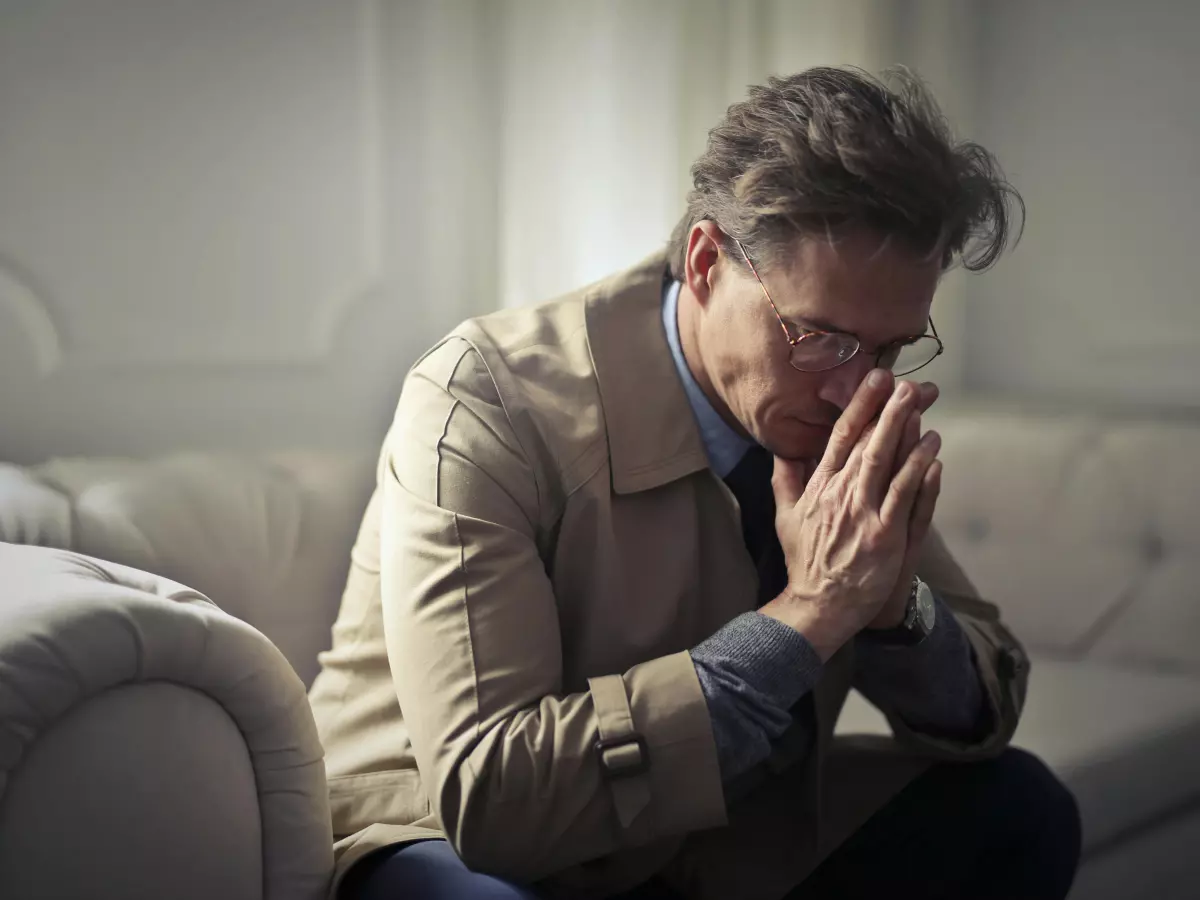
<point x="819" y="351"/>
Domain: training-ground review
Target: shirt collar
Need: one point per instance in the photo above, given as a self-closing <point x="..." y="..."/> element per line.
<point x="724" y="446"/>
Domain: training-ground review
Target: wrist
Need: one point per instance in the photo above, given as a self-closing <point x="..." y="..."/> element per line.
<point x="826" y="630"/>
<point x="916" y="623"/>
<point x="892" y="613"/>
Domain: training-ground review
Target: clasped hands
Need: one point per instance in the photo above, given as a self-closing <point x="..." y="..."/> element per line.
<point x="852" y="525"/>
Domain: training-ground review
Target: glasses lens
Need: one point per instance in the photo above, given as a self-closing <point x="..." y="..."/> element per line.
<point x="821" y="351"/>
<point x="906" y="358"/>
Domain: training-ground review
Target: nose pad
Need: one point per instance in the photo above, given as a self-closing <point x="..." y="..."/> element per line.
<point x="840" y="383"/>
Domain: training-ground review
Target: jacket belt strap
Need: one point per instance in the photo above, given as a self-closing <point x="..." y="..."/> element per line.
<point x="621" y="751"/>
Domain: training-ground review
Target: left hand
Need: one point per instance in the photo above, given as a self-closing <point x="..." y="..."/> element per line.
<point x="892" y="613"/>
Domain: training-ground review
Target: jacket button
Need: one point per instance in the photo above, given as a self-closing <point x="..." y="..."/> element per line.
<point x="1010" y="663"/>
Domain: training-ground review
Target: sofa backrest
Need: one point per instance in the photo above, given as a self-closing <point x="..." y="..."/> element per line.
<point x="1085" y="529"/>
<point x="267" y="539"/>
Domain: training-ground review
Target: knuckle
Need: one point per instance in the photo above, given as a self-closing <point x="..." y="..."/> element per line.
<point x="901" y="487"/>
<point x="922" y="455"/>
<point x="824" y="470"/>
<point x="874" y="538"/>
<point x="842" y="431"/>
<point x="872" y="457"/>
<point x="829" y="500"/>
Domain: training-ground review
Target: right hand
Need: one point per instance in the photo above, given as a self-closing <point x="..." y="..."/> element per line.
<point x="844" y="529"/>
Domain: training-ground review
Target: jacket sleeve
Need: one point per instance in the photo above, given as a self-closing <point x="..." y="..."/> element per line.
<point x="999" y="659"/>
<point x="510" y="762"/>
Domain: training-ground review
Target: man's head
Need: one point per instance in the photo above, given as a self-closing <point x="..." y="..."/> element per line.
<point x="828" y="201"/>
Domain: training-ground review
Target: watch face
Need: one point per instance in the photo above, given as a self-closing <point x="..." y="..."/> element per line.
<point x="926" y="610"/>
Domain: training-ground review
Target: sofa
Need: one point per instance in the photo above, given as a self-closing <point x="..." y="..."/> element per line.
<point x="160" y="621"/>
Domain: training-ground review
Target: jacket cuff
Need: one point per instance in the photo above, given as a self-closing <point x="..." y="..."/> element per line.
<point x="1003" y="670"/>
<point x="679" y="788"/>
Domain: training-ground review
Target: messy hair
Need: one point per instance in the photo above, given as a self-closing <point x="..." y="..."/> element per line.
<point x="833" y="150"/>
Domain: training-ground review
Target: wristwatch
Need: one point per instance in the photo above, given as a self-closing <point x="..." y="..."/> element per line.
<point x="920" y="615"/>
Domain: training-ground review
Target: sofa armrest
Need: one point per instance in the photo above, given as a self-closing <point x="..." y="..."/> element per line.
<point x="150" y="744"/>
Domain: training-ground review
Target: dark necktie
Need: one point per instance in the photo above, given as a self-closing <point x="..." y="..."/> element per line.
<point x="750" y="482"/>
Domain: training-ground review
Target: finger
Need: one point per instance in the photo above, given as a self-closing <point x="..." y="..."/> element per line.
<point x="854" y="461"/>
<point x="912" y="434"/>
<point x="788" y="481"/>
<point x="929" y="393"/>
<point x="864" y="406"/>
<point x="926" y="502"/>
<point x="879" y="452"/>
<point x="902" y="494"/>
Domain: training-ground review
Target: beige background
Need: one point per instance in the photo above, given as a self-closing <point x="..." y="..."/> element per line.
<point x="235" y="224"/>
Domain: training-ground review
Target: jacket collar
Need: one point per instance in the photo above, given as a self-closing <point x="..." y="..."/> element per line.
<point x="652" y="434"/>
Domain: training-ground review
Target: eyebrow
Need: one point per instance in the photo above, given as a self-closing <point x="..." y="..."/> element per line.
<point x="815" y="324"/>
<point x="808" y="324"/>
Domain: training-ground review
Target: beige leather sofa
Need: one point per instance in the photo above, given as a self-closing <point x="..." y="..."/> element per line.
<point x="155" y="743"/>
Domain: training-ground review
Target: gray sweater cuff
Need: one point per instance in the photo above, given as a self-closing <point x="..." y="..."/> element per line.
<point x="934" y="687"/>
<point x="752" y="671"/>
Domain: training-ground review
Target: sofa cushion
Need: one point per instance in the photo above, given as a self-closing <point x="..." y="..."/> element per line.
<point x="1159" y="626"/>
<point x="1124" y="740"/>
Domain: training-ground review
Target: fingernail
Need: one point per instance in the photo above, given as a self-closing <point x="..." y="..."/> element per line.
<point x="904" y="389"/>
<point x="875" y="379"/>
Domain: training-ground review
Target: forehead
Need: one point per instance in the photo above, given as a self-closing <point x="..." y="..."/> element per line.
<point x="861" y="283"/>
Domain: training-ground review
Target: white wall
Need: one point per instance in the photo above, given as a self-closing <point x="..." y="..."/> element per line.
<point x="202" y="229"/>
<point x="235" y="223"/>
<point x="1093" y="108"/>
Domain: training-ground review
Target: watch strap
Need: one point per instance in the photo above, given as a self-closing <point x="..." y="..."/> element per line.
<point x="908" y="633"/>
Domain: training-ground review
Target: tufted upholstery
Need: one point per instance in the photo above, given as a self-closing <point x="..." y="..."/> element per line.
<point x="125" y="699"/>
<point x="1084" y="529"/>
<point x="266" y="538"/>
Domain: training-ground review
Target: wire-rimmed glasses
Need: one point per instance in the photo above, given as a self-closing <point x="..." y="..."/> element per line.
<point x="819" y="351"/>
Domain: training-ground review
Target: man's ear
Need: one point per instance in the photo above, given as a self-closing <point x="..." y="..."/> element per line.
<point x="703" y="251"/>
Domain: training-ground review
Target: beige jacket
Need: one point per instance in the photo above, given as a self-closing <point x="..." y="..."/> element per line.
<point x="545" y="544"/>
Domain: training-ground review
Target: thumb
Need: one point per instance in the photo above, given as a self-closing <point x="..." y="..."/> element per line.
<point x="788" y="481"/>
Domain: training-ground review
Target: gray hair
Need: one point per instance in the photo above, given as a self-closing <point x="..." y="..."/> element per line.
<point x="833" y="150"/>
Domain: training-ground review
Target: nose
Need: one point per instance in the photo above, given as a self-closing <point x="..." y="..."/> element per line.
<point x="839" y="384"/>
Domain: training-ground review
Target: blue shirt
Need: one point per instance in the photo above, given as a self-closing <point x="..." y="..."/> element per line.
<point x="724" y="446"/>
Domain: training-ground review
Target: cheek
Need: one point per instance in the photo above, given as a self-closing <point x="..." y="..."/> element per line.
<point x="781" y="396"/>
<point x="745" y="364"/>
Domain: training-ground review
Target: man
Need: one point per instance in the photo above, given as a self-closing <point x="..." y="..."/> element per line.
<point x="629" y="551"/>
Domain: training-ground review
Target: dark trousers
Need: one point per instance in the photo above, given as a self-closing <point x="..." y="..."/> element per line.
<point x="1004" y="828"/>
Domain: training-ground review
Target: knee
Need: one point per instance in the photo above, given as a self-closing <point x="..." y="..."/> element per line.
<point x="427" y="869"/>
<point x="1042" y="809"/>
<point x="1036" y="789"/>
